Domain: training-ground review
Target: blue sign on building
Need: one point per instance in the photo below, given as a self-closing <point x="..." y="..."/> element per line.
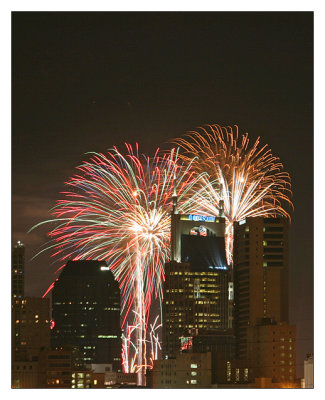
<point x="203" y="218"/>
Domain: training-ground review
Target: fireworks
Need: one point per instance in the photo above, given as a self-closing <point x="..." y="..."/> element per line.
<point x="236" y="179"/>
<point x="118" y="210"/>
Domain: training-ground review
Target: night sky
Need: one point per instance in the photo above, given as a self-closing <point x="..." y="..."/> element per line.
<point x="88" y="81"/>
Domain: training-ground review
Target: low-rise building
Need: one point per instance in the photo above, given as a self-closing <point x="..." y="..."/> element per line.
<point x="272" y="350"/>
<point x="309" y="371"/>
<point x="55" y="368"/>
<point x="24" y="374"/>
<point x="187" y="370"/>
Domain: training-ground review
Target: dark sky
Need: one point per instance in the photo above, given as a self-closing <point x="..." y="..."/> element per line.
<point x="88" y="81"/>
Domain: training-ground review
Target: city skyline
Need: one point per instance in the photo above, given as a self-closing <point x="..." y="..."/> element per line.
<point x="70" y="96"/>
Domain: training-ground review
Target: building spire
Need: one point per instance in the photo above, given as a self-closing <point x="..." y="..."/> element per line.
<point x="174" y="197"/>
<point x="221" y="202"/>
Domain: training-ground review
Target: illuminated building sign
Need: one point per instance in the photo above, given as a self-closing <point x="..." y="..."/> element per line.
<point x="203" y="231"/>
<point x="186" y="342"/>
<point x="203" y="218"/>
<point x="242" y="222"/>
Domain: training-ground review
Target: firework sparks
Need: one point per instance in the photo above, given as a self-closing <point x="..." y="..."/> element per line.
<point x="118" y="210"/>
<point x="236" y="179"/>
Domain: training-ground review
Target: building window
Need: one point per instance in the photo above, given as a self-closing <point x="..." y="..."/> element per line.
<point x="245" y="374"/>
<point x="237" y="374"/>
<point x="193" y="382"/>
<point x="193" y="365"/>
<point x="228" y="371"/>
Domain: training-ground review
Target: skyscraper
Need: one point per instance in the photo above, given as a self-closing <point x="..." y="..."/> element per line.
<point x="86" y="311"/>
<point x="196" y="285"/>
<point x="17" y="271"/>
<point x="261" y="267"/>
<point x="261" y="312"/>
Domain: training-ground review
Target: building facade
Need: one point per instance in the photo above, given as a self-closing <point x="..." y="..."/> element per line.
<point x="261" y="267"/>
<point x="18" y="271"/>
<point x="186" y="371"/>
<point x="272" y="351"/>
<point x="86" y="313"/>
<point x="309" y="371"/>
<point x="30" y="327"/>
<point x="55" y="368"/>
<point x="193" y="301"/>
<point x="196" y="280"/>
<point x="261" y="290"/>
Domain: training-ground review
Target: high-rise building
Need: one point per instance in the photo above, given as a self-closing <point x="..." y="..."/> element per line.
<point x="86" y="313"/>
<point x="30" y="327"/>
<point x="260" y="274"/>
<point x="196" y="281"/>
<point x="261" y="288"/>
<point x="17" y="271"/>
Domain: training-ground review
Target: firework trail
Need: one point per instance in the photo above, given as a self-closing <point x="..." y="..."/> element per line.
<point x="118" y="210"/>
<point x="241" y="180"/>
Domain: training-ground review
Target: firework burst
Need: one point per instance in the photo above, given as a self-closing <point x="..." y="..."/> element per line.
<point x="236" y="179"/>
<point x="118" y="210"/>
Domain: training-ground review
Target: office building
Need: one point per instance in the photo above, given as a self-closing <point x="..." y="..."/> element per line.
<point x="194" y="301"/>
<point x="17" y="271"/>
<point x="261" y="268"/>
<point x="55" y="368"/>
<point x="30" y="327"/>
<point x="196" y="283"/>
<point x="261" y="290"/>
<point x="272" y="350"/>
<point x="186" y="371"/>
<point x="86" y="313"/>
<point x="229" y="371"/>
<point x="24" y="374"/>
<point x="220" y="342"/>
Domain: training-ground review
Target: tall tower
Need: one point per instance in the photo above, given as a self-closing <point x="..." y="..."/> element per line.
<point x="17" y="271"/>
<point x="86" y="312"/>
<point x="196" y="284"/>
<point x="261" y="287"/>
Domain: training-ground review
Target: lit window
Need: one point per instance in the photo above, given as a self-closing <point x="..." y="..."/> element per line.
<point x="193" y="365"/>
<point x="193" y="373"/>
<point x="95" y="381"/>
<point x="246" y="374"/>
<point x="193" y="382"/>
<point x="237" y="374"/>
